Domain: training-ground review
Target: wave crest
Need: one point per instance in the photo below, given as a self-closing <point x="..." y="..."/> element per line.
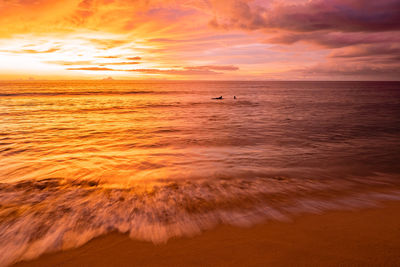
<point x="39" y="216"/>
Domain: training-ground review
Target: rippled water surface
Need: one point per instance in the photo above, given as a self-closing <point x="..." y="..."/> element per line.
<point x="162" y="159"/>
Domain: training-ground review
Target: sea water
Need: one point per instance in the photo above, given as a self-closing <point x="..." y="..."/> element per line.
<point x="156" y="160"/>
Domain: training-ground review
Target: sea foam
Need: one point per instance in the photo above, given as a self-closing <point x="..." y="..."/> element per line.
<point x="40" y="216"/>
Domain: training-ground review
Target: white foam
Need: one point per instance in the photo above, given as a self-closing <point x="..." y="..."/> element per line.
<point x="50" y="215"/>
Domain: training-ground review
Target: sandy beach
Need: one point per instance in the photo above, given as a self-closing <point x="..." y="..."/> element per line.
<point x="368" y="237"/>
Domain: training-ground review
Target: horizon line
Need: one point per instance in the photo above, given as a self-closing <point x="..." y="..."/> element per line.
<point x="184" y="80"/>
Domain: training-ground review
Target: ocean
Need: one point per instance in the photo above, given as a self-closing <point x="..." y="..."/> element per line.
<point x="162" y="159"/>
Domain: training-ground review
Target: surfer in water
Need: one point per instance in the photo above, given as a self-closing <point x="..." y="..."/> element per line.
<point x="218" y="98"/>
<point x="234" y="97"/>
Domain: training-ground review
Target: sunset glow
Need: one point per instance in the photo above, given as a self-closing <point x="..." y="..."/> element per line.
<point x="213" y="40"/>
<point x="199" y="133"/>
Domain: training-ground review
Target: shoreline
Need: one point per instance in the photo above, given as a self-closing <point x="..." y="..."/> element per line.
<point x="366" y="237"/>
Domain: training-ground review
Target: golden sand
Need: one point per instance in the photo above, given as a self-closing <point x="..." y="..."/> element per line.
<point x="369" y="237"/>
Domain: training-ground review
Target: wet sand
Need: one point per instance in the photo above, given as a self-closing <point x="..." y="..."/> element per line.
<point x="369" y="237"/>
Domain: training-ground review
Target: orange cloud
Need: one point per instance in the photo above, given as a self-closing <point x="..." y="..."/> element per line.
<point x="92" y="68"/>
<point x="134" y="58"/>
<point x="210" y="67"/>
<point x="229" y="39"/>
<point x="154" y="71"/>
<point x="176" y="71"/>
<point x="108" y="57"/>
<point x="31" y="51"/>
<point x="51" y="50"/>
<point x="108" y="44"/>
<point x="70" y="63"/>
<point x="73" y="63"/>
<point x="120" y="63"/>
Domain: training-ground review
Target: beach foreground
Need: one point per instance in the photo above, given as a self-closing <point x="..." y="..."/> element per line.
<point x="368" y="237"/>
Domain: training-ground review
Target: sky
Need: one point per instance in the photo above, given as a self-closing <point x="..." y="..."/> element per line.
<point x="200" y="39"/>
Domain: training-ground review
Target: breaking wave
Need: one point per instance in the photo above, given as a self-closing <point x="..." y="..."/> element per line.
<point x="39" y="216"/>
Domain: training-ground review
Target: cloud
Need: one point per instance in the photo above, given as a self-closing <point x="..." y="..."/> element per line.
<point x="109" y="43"/>
<point x="309" y="16"/>
<point x="121" y="57"/>
<point x="176" y="71"/>
<point x="108" y="57"/>
<point x="239" y="38"/>
<point x="367" y="50"/>
<point x="120" y="63"/>
<point x="211" y="67"/>
<point x="352" y="31"/>
<point x="112" y="16"/>
<point x="362" y="70"/>
<point x="134" y="58"/>
<point x="335" y="39"/>
<point x="331" y="24"/>
<point x="51" y="50"/>
<point x="70" y="63"/>
<point x="31" y="51"/>
<point x="155" y="71"/>
<point x="92" y="69"/>
<point x="85" y="62"/>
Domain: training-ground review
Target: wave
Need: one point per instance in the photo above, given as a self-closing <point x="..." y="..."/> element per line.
<point x="75" y="93"/>
<point x="39" y="216"/>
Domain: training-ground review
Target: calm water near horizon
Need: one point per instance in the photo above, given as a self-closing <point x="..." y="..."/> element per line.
<point x="161" y="159"/>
